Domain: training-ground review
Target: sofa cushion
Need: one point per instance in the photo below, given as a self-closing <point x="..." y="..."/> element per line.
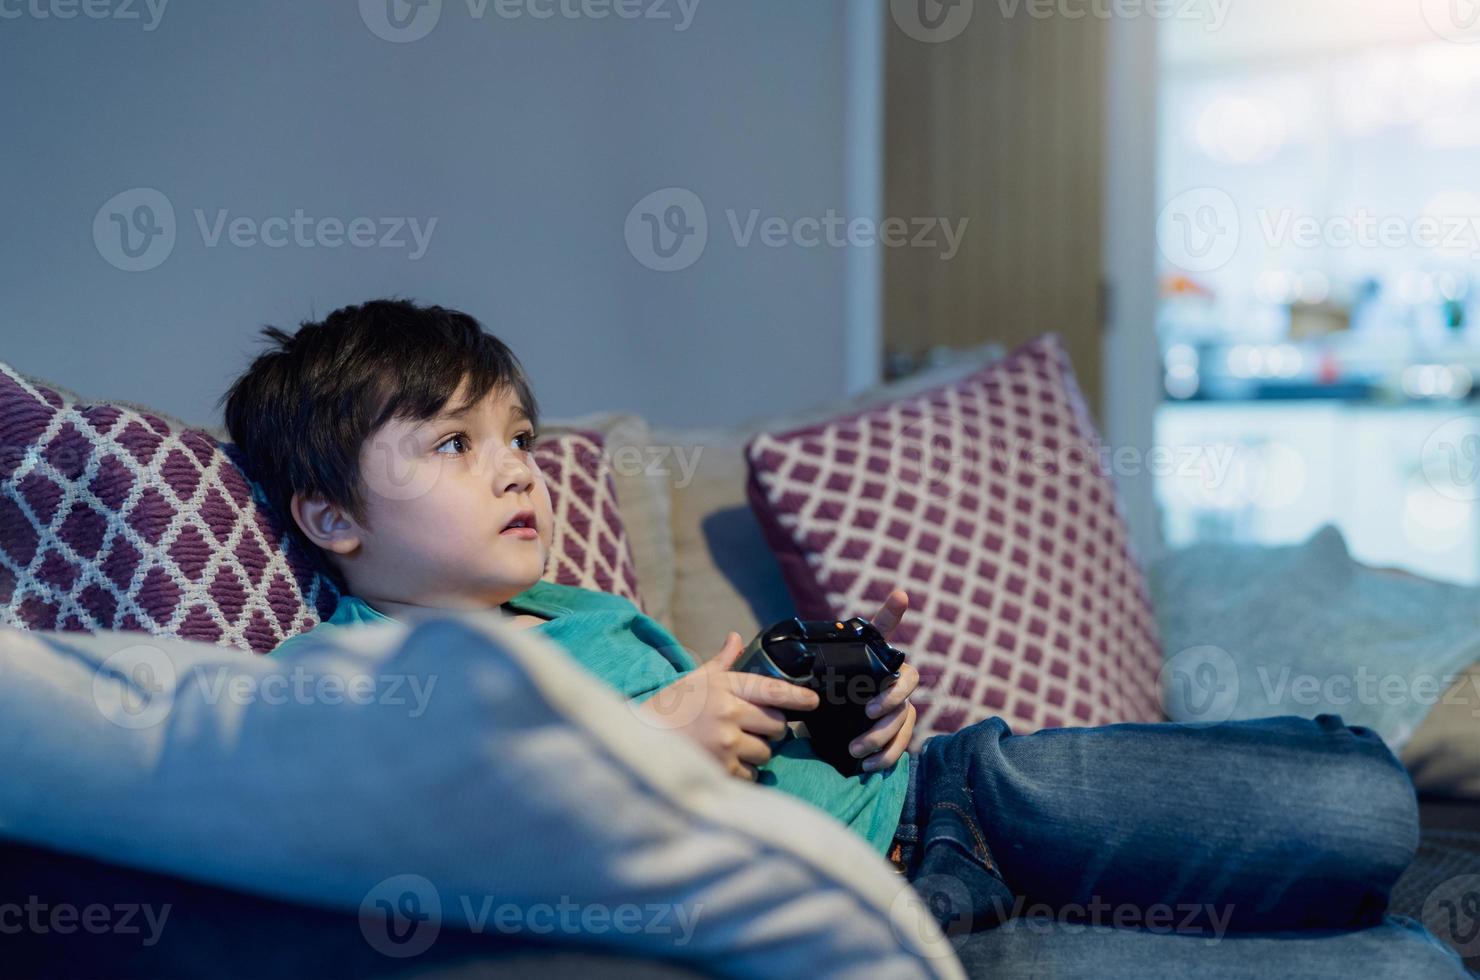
<point x="1443" y="756"/>
<point x="589" y="547"/>
<point x="988" y="501"/>
<point x="114" y="517"/>
<point x="461" y="770"/>
<point x="641" y="483"/>
<point x="726" y="577"/>
<point x="1307" y="629"/>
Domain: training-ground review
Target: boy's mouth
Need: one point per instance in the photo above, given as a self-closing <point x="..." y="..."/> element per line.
<point x="521" y="525"/>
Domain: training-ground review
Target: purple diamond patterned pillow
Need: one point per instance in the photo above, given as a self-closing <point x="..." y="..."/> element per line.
<point x="113" y="518"/>
<point x="988" y="502"/>
<point x="590" y="547"/>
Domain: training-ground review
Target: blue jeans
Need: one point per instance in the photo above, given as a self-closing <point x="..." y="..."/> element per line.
<point x="1129" y="850"/>
<point x="1274" y="824"/>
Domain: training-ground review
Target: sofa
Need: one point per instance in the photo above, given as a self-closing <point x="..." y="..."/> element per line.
<point x="698" y="558"/>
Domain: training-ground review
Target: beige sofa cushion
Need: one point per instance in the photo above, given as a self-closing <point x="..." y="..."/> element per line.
<point x="643" y="496"/>
<point x="725" y="576"/>
<point x="1443" y="756"/>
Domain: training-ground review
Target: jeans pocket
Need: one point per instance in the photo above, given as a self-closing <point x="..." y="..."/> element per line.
<point x="956" y="873"/>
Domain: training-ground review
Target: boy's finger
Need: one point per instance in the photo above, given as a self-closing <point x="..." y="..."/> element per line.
<point x="767" y="722"/>
<point x="897" y="693"/>
<point x="890" y="753"/>
<point x="728" y="654"/>
<point x="773" y="692"/>
<point x="886" y="620"/>
<point x="879" y="735"/>
<point x="752" y="750"/>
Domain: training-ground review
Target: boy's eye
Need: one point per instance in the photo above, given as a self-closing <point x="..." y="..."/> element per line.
<point x="458" y="440"/>
<point x="528" y="438"/>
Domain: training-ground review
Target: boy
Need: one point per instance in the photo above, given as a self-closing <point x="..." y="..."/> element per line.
<point x="397" y="441"/>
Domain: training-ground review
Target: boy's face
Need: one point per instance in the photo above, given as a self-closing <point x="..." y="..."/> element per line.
<point x="440" y="495"/>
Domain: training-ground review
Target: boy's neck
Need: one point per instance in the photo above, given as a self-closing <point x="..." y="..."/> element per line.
<point x="407" y="612"/>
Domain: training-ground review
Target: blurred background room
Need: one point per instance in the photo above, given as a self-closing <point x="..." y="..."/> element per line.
<point x="1252" y="221"/>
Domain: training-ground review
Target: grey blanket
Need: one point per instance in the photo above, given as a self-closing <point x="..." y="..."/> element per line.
<point x="1251" y="631"/>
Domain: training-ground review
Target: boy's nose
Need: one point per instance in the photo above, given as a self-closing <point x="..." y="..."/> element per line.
<point x="512" y="475"/>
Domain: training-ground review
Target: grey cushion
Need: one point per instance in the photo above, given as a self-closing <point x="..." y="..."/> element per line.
<point x="462" y="766"/>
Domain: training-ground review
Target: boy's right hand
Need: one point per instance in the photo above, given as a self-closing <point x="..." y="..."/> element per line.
<point x="731" y="715"/>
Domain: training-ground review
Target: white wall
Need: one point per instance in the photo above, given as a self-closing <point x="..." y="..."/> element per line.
<point x="528" y="140"/>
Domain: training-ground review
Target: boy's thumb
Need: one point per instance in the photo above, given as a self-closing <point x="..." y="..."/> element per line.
<point x="728" y="654"/>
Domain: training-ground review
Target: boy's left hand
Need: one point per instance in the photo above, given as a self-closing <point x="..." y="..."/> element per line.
<point x="881" y="746"/>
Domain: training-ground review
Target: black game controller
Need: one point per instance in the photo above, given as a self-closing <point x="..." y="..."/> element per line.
<point x="846" y="663"/>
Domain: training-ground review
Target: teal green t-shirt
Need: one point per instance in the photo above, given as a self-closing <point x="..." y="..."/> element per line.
<point x="635" y="654"/>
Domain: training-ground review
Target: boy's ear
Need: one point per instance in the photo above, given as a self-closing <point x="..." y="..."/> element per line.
<point x="325" y="524"/>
